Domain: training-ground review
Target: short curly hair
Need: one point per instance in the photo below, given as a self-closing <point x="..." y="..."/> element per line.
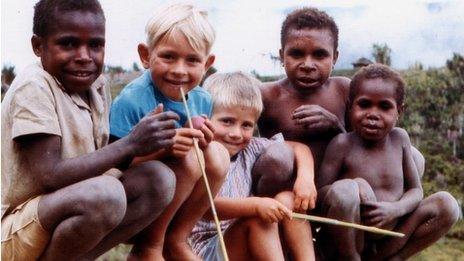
<point x="308" y="18"/>
<point x="45" y="12"/>
<point x="378" y="71"/>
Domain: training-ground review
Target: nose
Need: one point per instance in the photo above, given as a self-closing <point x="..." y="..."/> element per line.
<point x="179" y="68"/>
<point x="83" y="54"/>
<point x="235" y="133"/>
<point x="308" y="64"/>
<point x="373" y="114"/>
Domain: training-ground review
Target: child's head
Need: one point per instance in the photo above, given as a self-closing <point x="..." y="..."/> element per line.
<point x="177" y="52"/>
<point x="376" y="100"/>
<point x="69" y="38"/>
<point x="237" y="106"/>
<point x="309" y="42"/>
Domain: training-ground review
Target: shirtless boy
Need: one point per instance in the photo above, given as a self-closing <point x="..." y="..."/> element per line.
<point x="308" y="105"/>
<point x="376" y="162"/>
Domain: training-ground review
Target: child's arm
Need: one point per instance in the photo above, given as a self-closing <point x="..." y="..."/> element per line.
<point x="384" y="212"/>
<point x="333" y="161"/>
<point x="43" y="152"/>
<point x="304" y="187"/>
<point x="268" y="209"/>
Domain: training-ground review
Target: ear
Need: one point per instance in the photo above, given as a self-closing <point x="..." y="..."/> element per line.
<point x="144" y="54"/>
<point x="335" y="58"/>
<point x="209" y="61"/>
<point x="281" y="55"/>
<point x="401" y="109"/>
<point x="37" y="45"/>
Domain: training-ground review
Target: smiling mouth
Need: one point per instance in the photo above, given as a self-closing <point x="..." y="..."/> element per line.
<point x="176" y="83"/>
<point x="81" y="74"/>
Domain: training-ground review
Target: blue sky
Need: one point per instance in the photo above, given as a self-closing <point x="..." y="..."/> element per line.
<point x="248" y="31"/>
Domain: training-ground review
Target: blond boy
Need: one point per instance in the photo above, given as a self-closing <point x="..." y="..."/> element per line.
<point x="250" y="223"/>
<point x="176" y="55"/>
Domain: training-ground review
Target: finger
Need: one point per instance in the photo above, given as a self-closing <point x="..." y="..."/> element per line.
<point x="167" y="115"/>
<point x="312" y="203"/>
<point x="303" y="107"/>
<point x="158" y="109"/>
<point x="189" y="133"/>
<point x="304" y="113"/>
<point x="278" y="214"/>
<point x="314" y="119"/>
<point x="287" y="212"/>
<point x="167" y="134"/>
<point x="297" y="203"/>
<point x="156" y="125"/>
<point x="304" y="204"/>
<point x="210" y="126"/>
<point x="186" y="141"/>
<point x="370" y="204"/>
<point x="181" y="147"/>
<point x="209" y="135"/>
<point x="273" y="217"/>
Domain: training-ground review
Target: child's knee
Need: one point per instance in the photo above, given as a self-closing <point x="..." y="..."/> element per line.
<point x="158" y="183"/>
<point x="448" y="208"/>
<point x="104" y="202"/>
<point x="286" y="198"/>
<point x="217" y="161"/>
<point x="277" y="162"/>
<point x="343" y="194"/>
<point x="366" y="193"/>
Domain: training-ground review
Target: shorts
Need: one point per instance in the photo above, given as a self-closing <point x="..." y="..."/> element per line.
<point x="212" y="250"/>
<point x="23" y="237"/>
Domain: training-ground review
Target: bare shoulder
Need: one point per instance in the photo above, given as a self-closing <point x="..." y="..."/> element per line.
<point x="342" y="140"/>
<point x="342" y="84"/>
<point x="400" y="134"/>
<point x="270" y="90"/>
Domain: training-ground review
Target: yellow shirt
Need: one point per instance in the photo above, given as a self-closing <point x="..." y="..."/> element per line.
<point x="37" y="103"/>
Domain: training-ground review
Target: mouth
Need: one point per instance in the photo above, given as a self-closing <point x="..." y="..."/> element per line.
<point x="309" y="82"/>
<point x="176" y="83"/>
<point x="81" y="74"/>
<point x="371" y="129"/>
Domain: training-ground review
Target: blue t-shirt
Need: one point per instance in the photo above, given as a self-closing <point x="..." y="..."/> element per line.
<point x="140" y="97"/>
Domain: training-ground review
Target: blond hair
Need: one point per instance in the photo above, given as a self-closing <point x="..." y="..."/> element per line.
<point x="181" y="18"/>
<point x="229" y="90"/>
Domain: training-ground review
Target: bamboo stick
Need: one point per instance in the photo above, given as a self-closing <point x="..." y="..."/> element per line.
<point x="347" y="224"/>
<point x="205" y="179"/>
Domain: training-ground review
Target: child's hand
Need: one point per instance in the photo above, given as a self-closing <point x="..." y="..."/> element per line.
<point x="183" y="141"/>
<point x="271" y="210"/>
<point x="315" y="117"/>
<point x="379" y="213"/>
<point x="305" y="194"/>
<point x="154" y="132"/>
<point x="203" y="124"/>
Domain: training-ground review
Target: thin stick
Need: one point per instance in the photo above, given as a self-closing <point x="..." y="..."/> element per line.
<point x="347" y="224"/>
<point x="208" y="188"/>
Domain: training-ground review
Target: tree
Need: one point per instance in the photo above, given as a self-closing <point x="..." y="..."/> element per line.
<point x="8" y="75"/>
<point x="382" y="53"/>
<point x="135" y="67"/>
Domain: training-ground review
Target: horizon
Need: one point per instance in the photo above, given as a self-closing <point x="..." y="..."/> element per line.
<point x="430" y="36"/>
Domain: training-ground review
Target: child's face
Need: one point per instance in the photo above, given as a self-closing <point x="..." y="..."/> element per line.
<point x="74" y="49"/>
<point x="308" y="56"/>
<point x="174" y="64"/>
<point x="234" y="127"/>
<point x="374" y="111"/>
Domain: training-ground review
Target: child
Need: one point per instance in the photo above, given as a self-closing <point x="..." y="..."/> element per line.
<point x="308" y="105"/>
<point x="56" y="204"/>
<point x="250" y="223"/>
<point x="377" y="162"/>
<point x="176" y="55"/>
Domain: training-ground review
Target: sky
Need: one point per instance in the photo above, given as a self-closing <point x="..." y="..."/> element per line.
<point x="248" y="32"/>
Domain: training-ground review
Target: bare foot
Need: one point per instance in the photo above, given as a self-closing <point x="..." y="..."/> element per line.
<point x="145" y="253"/>
<point x="179" y="251"/>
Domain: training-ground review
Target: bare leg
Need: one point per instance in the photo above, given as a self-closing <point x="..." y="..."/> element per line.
<point x="217" y="164"/>
<point x="296" y="232"/>
<point x="83" y="214"/>
<point x="434" y="216"/>
<point x="149" y="188"/>
<point x="253" y="239"/>
<point x="342" y="201"/>
<point x="273" y="171"/>
<point x="149" y="244"/>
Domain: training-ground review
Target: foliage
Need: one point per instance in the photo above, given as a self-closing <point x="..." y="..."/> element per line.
<point x="382" y="53"/>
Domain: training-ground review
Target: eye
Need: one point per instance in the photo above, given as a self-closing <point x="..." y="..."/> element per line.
<point x="295" y="53"/>
<point x="226" y="121"/>
<point x="321" y="54"/>
<point x="97" y="44"/>
<point x="68" y="42"/>
<point x="193" y="59"/>
<point x="363" y="103"/>
<point x="167" y="56"/>
<point x="386" y="105"/>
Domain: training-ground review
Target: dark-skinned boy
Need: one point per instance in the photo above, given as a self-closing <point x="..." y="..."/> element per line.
<point x="57" y="204"/>
<point x="382" y="184"/>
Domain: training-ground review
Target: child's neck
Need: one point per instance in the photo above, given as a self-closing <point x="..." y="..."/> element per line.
<point x="373" y="144"/>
